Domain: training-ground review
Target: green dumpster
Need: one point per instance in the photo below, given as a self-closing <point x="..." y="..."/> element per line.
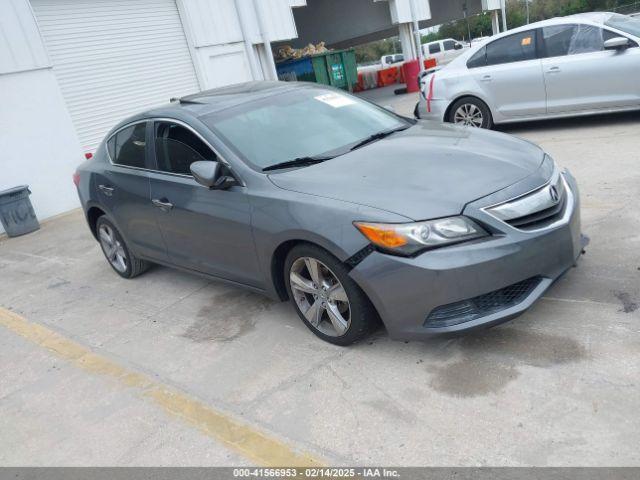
<point x="336" y="68"/>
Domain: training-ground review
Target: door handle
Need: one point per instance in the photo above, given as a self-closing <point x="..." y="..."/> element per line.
<point x="108" y="191"/>
<point x="486" y="78"/>
<point x="164" y="206"/>
<point x="554" y="70"/>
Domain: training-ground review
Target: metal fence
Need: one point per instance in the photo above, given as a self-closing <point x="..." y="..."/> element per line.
<point x="628" y="8"/>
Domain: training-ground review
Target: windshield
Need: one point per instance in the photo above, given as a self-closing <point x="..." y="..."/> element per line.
<point x="299" y="123"/>
<point x="624" y="23"/>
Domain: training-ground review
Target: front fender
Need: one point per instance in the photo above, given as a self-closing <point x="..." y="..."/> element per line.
<point x="297" y="217"/>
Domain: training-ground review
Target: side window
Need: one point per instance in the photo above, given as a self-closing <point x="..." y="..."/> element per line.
<point x="479" y="59"/>
<point x="177" y="148"/>
<point x="434" y="48"/>
<point x="586" y="38"/>
<point x="514" y="48"/>
<point x="557" y="39"/>
<point x="127" y="146"/>
<point x="449" y="44"/>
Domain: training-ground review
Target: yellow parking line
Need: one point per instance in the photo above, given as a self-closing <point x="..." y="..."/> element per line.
<point x="259" y="447"/>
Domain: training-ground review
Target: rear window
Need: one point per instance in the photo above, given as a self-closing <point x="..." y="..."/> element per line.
<point x="479" y="59"/>
<point x="127" y="146"/>
<point x="514" y="48"/>
<point x="434" y="48"/>
<point x="449" y="44"/>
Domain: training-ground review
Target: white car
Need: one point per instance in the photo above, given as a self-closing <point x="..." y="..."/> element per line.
<point x="576" y="65"/>
<point x="388" y="60"/>
<point x="478" y="40"/>
<point x="443" y="51"/>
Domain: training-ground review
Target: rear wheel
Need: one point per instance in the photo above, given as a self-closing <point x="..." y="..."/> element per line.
<point x="327" y="300"/>
<point x="116" y="251"/>
<point x="472" y="112"/>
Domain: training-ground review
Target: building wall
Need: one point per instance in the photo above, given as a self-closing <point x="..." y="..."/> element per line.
<point x="20" y="46"/>
<point x="38" y="142"/>
<point x="401" y="10"/>
<point x="226" y="36"/>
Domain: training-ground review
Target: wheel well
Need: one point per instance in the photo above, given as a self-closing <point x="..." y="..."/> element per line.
<point x="277" y="266"/>
<point x="448" y="111"/>
<point x="92" y="217"/>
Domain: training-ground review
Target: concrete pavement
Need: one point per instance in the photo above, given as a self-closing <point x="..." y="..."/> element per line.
<point x="558" y="386"/>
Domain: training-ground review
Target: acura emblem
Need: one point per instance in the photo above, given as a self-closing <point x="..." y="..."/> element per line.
<point x="554" y="194"/>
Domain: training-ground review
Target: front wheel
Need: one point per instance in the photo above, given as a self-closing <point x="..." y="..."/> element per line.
<point x="327" y="300"/>
<point x="471" y="112"/>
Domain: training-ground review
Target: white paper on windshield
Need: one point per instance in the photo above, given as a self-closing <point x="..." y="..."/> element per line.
<point x="335" y="100"/>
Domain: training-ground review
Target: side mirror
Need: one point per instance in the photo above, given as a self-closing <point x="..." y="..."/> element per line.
<point x="616" y="43"/>
<point x="457" y="46"/>
<point x="210" y="175"/>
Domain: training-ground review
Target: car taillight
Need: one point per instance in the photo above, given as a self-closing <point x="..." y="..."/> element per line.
<point x="88" y="155"/>
<point x="76" y="179"/>
<point x="430" y="94"/>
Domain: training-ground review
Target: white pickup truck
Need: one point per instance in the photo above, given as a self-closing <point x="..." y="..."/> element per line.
<point x="388" y="60"/>
<point x="443" y="50"/>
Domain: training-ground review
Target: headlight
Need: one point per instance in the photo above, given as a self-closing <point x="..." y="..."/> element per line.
<point x="410" y="238"/>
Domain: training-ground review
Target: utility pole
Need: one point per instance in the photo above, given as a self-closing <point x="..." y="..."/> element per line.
<point x="503" y="7"/>
<point x="495" y="22"/>
<point x="526" y="2"/>
<point x="464" y="10"/>
<point x="416" y="34"/>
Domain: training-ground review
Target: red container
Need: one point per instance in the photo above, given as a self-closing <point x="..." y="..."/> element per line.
<point x="429" y="63"/>
<point x="410" y="71"/>
<point x="388" y="76"/>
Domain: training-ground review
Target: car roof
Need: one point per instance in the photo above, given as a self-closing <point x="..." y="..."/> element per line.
<point x="589" y="18"/>
<point x="215" y="100"/>
<point x="593" y="18"/>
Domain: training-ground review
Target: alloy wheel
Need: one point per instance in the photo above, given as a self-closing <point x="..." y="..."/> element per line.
<point x="320" y="296"/>
<point x="113" y="248"/>
<point x="468" y="114"/>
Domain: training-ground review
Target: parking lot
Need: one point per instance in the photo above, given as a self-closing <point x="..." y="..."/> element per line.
<point x="174" y="369"/>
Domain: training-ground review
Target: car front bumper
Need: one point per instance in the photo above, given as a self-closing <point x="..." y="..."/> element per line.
<point x="488" y="281"/>
<point x="436" y="110"/>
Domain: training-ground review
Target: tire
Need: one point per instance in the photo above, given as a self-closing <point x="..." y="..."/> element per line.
<point x="465" y="109"/>
<point x="358" y="310"/>
<point x="120" y="258"/>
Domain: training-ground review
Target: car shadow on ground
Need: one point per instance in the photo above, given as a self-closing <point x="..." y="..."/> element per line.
<point x="482" y="362"/>
<point x="576" y="123"/>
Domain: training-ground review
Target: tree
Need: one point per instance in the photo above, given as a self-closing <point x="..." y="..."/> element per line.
<point x="480" y="25"/>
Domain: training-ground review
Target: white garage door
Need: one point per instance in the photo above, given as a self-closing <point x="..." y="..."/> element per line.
<point x="114" y="58"/>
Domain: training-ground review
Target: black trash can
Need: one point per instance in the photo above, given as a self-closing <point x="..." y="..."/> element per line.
<point x="16" y="212"/>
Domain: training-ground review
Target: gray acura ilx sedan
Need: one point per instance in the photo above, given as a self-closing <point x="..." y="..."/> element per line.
<point x="352" y="212"/>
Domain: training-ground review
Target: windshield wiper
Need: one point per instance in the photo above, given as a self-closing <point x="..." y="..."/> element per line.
<point x="378" y="136"/>
<point x="297" y="162"/>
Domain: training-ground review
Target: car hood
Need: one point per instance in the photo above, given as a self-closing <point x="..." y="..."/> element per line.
<point x="428" y="171"/>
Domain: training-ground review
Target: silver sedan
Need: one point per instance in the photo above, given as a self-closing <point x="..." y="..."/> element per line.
<point x="577" y="65"/>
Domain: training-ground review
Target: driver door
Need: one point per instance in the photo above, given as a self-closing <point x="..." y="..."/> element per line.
<point x="205" y="230"/>
<point x="580" y="74"/>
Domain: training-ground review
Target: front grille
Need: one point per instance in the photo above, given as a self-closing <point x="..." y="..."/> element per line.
<point x="537" y="209"/>
<point x="482" y="305"/>
<point x="539" y="219"/>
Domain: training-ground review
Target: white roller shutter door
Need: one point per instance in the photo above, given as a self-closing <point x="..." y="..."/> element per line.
<point x="114" y="58"/>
